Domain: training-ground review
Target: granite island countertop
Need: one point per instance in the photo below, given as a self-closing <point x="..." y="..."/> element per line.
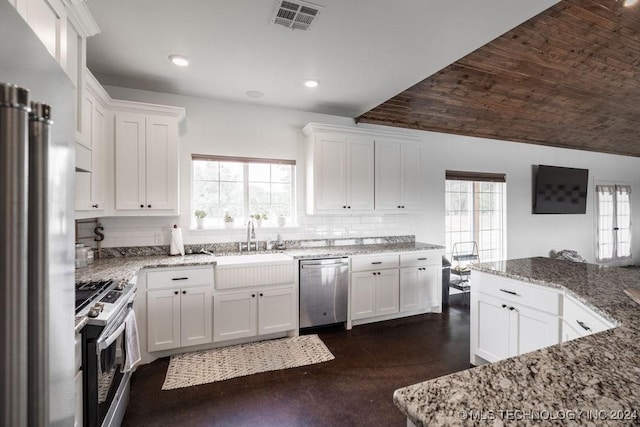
<point x="600" y="372"/>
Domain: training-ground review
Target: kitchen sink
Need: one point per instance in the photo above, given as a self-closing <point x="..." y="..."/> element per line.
<point x="242" y="271"/>
<point x="254" y="259"/>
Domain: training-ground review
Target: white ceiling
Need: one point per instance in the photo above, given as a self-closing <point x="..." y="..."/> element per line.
<point x="362" y="51"/>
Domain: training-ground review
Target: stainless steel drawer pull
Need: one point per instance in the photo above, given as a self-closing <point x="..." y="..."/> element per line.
<point x="509" y="292"/>
<point x="377" y="262"/>
<point x="583" y="326"/>
<point x="180" y="278"/>
<point x="422" y="259"/>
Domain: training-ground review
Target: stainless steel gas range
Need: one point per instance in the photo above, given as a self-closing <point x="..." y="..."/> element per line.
<point x="104" y="342"/>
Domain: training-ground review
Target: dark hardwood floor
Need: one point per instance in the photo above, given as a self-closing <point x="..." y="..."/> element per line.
<point x="354" y="389"/>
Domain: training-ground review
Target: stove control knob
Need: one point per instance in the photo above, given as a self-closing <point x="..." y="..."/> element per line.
<point x="94" y="312"/>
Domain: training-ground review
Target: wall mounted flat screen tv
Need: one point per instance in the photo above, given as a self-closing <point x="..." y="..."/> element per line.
<point x="560" y="190"/>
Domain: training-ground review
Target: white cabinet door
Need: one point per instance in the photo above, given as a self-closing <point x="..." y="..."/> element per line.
<point x="387" y="290"/>
<point x="74" y="68"/>
<point x="330" y="172"/>
<point x="411" y="176"/>
<point x="387" y="176"/>
<point x="47" y="18"/>
<point x="430" y="286"/>
<point x="195" y="318"/>
<point x="490" y="331"/>
<point x="161" y="163"/>
<point x="89" y="185"/>
<point x="163" y="319"/>
<point x="130" y="172"/>
<point x="146" y="164"/>
<point x="398" y="176"/>
<point x="276" y="310"/>
<point x="531" y="329"/>
<point x="409" y="284"/>
<point x="343" y="174"/>
<point x="98" y="151"/>
<point x="363" y="295"/>
<point x="235" y="315"/>
<point x="360" y="176"/>
<point x="419" y="287"/>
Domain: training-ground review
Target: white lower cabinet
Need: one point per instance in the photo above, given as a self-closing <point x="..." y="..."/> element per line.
<point x="579" y="321"/>
<point x="252" y="312"/>
<point x="389" y="285"/>
<point x="419" y="287"/>
<point x="178" y="317"/>
<point x="510" y="317"/>
<point x="504" y="329"/>
<point x="374" y="293"/>
<point x="178" y="308"/>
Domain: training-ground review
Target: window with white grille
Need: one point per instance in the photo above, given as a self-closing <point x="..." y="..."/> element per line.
<point x="243" y="188"/>
<point x="613" y="222"/>
<point x="475" y="211"/>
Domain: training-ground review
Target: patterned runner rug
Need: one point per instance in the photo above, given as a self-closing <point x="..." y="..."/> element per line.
<point x="202" y="367"/>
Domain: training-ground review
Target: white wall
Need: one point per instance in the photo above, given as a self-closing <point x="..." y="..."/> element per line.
<point x="226" y="128"/>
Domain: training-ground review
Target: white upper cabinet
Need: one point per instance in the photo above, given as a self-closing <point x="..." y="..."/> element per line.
<point x="398" y="177"/>
<point x="146" y="163"/>
<point x="90" y="185"/>
<point x="47" y="18"/>
<point x="354" y="170"/>
<point x="341" y="177"/>
<point x="63" y="27"/>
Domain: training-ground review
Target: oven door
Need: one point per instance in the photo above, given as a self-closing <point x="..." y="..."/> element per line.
<point x="106" y="385"/>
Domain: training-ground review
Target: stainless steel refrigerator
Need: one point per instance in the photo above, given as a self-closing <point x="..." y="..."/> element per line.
<point x="36" y="231"/>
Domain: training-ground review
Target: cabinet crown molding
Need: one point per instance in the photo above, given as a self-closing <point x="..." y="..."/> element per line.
<point x="80" y="12"/>
<point x="97" y="90"/>
<point x="144" y="108"/>
<point x="312" y="128"/>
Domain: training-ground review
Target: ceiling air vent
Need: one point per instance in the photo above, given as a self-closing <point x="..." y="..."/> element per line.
<point x="297" y="15"/>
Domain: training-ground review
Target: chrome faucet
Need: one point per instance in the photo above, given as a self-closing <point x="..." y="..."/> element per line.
<point x="251" y="235"/>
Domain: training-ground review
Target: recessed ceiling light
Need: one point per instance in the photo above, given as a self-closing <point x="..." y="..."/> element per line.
<point x="628" y="3"/>
<point x="179" y="60"/>
<point x="311" y="83"/>
<point x="255" y="94"/>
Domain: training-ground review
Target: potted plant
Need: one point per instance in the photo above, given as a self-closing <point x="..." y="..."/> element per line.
<point x="228" y="220"/>
<point x="259" y="218"/>
<point x="200" y="214"/>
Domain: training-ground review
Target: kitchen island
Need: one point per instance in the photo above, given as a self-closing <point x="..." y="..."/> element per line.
<point x="590" y="380"/>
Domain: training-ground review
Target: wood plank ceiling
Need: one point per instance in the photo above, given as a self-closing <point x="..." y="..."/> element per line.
<point x="567" y="77"/>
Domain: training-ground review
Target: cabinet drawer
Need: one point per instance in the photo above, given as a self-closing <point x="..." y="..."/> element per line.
<point x="582" y="319"/>
<point x="419" y="259"/>
<point x="179" y="278"/>
<point x="533" y="296"/>
<point x="374" y="262"/>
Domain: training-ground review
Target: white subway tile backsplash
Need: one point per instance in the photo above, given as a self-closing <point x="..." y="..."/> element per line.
<point x="141" y="231"/>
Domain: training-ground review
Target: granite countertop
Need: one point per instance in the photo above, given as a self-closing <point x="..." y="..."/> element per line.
<point x="125" y="268"/>
<point x="600" y="372"/>
<point x="336" y="251"/>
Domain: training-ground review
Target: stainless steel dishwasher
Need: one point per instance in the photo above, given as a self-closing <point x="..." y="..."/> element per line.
<point x="324" y="285"/>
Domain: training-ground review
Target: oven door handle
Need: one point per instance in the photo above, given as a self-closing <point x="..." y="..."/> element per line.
<point x="104" y="343"/>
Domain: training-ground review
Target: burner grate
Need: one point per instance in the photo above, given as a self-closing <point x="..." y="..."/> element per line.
<point x="88" y="291"/>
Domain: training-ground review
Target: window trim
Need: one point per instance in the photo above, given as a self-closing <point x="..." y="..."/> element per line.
<point x="213" y="158"/>
<point x="615" y="257"/>
<point x="503" y="226"/>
